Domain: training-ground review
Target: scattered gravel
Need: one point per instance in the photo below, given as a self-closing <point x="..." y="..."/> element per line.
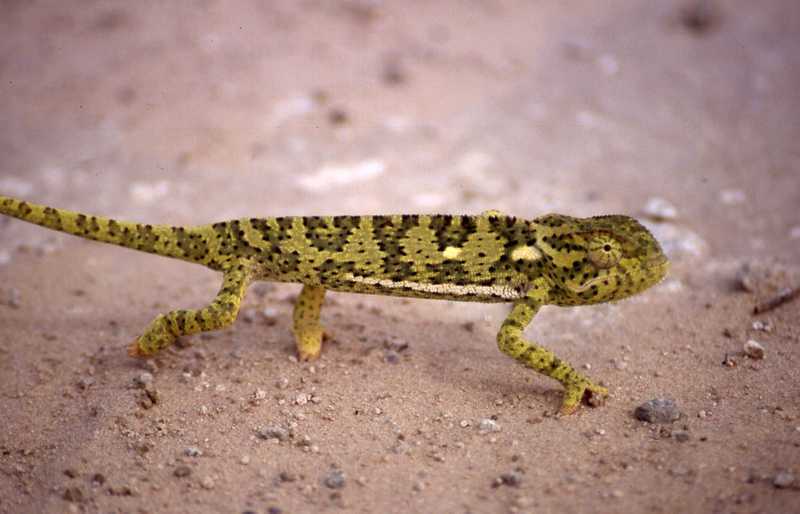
<point x="753" y="349"/>
<point x="659" y="410"/>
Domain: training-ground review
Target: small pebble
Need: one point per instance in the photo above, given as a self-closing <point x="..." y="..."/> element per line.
<point x="14" y="299"/>
<point x="193" y="451"/>
<point x="335" y="479"/>
<point x="245" y="460"/>
<point x="273" y="432"/>
<point x="207" y="483"/>
<point x="282" y="383"/>
<point x="143" y="378"/>
<point x="270" y="315"/>
<point x="85" y="383"/>
<point x="681" y="436"/>
<point x="753" y="349"/>
<point x="487" y="425"/>
<point x="301" y="399"/>
<point x="391" y="357"/>
<point x="763" y="326"/>
<point x="259" y="395"/>
<point x="286" y="476"/>
<point x="703" y="414"/>
<point x="783" y="480"/>
<point x="659" y="410"/>
<point x="513" y="479"/>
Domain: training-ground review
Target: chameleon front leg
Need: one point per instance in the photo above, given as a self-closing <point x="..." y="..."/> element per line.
<point x="220" y="313"/>
<point x="510" y="341"/>
<point x="307" y="329"/>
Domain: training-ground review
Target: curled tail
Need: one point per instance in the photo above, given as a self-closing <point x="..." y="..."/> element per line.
<point x="190" y="244"/>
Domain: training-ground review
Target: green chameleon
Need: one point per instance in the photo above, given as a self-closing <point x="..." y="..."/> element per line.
<point x="553" y="259"/>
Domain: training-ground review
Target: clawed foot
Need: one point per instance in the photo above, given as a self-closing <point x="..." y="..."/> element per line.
<point x="309" y="345"/>
<point x="156" y="337"/>
<point x="585" y="391"/>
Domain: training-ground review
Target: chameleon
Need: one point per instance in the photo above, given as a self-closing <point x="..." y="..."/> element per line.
<point x="553" y="259"/>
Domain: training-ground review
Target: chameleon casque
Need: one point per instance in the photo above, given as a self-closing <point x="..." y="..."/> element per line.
<point x="550" y="260"/>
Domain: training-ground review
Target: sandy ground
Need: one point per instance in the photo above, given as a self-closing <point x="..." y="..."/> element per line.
<point x="214" y="110"/>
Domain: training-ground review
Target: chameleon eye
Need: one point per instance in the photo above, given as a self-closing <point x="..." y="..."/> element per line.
<point x="604" y="252"/>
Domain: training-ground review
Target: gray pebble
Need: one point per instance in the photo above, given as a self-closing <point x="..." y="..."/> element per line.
<point x="270" y="315"/>
<point x="659" y="410"/>
<point x="783" y="480"/>
<point x="14" y="299"/>
<point x="513" y="479"/>
<point x="143" y="378"/>
<point x="753" y="349"/>
<point x="85" y="383"/>
<point x="391" y="357"/>
<point x="681" y="435"/>
<point x="273" y="432"/>
<point x="488" y="425"/>
<point x="335" y="479"/>
<point x="193" y="451"/>
<point x="287" y="476"/>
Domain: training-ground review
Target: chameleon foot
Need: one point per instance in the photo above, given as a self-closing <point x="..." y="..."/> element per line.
<point x="308" y="332"/>
<point x="309" y="344"/>
<point x="157" y="336"/>
<point x="574" y="393"/>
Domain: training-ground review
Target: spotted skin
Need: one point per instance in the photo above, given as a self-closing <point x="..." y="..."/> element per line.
<point x="550" y="260"/>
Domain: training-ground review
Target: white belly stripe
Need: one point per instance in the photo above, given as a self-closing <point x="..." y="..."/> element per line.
<point x="505" y="292"/>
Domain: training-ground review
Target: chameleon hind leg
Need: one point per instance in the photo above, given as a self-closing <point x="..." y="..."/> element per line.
<point x="307" y="329"/>
<point x="220" y="313"/>
<point x="510" y="341"/>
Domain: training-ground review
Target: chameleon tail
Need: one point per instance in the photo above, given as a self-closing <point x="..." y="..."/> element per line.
<point x="177" y="242"/>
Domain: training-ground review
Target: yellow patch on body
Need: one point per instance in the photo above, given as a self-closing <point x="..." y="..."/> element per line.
<point x="451" y="252"/>
<point x="526" y="253"/>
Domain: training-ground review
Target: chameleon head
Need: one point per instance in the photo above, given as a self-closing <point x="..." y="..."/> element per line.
<point x="600" y="259"/>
